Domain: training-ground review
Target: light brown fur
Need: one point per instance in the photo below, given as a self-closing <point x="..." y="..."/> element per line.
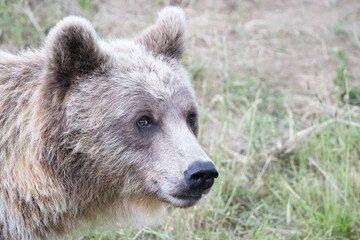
<point x="69" y="148"/>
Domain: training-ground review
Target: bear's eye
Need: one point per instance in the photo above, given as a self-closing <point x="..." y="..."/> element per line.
<point x="192" y="119"/>
<point x="144" y="122"/>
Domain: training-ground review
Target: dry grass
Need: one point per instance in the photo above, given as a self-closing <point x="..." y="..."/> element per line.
<point x="274" y="80"/>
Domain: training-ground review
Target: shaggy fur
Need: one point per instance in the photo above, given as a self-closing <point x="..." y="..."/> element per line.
<point x="70" y="147"/>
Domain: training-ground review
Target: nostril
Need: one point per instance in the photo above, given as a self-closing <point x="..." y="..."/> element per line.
<point x="204" y="175"/>
<point x="197" y="175"/>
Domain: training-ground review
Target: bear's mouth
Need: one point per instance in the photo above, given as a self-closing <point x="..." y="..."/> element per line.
<point x="183" y="200"/>
<point x="193" y="197"/>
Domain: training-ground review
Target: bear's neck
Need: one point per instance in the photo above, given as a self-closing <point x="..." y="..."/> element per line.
<point x="35" y="202"/>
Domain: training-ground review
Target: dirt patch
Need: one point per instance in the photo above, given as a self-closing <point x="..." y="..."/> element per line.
<point x="293" y="41"/>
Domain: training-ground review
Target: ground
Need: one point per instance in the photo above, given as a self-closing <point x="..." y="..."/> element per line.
<point x="278" y="84"/>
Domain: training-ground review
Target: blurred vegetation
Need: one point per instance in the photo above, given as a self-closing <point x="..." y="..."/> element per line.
<point x="343" y="75"/>
<point x="25" y="24"/>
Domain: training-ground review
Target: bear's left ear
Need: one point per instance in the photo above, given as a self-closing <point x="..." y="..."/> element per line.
<point x="167" y="36"/>
<point x="72" y="49"/>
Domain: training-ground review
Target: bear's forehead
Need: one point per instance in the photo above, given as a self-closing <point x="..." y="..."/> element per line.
<point x="141" y="71"/>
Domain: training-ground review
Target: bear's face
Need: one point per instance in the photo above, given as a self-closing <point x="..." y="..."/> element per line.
<point x="129" y="109"/>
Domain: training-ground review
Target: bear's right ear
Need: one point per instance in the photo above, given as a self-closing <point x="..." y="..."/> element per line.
<point x="72" y="49"/>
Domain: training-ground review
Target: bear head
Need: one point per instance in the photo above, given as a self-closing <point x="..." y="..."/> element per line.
<point x="127" y="111"/>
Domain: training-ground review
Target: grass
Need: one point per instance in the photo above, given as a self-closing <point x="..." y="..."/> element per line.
<point x="285" y="173"/>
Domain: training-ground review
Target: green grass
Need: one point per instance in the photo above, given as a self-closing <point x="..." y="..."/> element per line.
<point x="310" y="193"/>
<point x="25" y="23"/>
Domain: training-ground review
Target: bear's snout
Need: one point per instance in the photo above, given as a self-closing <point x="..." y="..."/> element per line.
<point x="200" y="176"/>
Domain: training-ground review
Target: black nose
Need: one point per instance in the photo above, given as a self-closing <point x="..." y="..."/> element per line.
<point x="200" y="175"/>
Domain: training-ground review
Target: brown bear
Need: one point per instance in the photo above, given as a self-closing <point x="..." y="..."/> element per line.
<point x="94" y="129"/>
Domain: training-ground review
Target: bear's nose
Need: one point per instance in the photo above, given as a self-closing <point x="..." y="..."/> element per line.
<point x="200" y="175"/>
